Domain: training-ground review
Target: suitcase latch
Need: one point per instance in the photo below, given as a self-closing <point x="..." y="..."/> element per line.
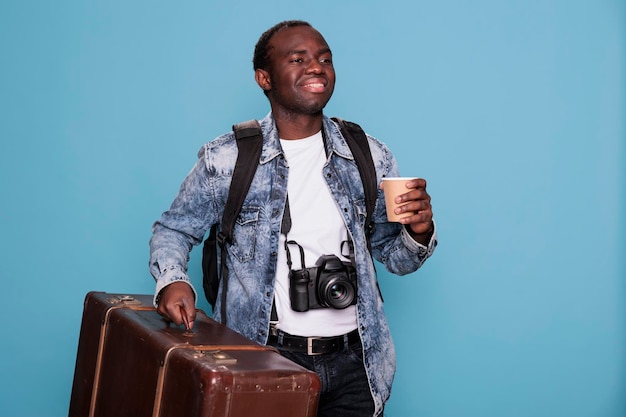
<point x="124" y="299"/>
<point x="218" y="357"/>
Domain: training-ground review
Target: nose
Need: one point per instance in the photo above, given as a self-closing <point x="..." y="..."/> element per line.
<point x="314" y="67"/>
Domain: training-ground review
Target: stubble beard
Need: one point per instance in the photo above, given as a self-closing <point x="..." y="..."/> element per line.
<point x="298" y="107"/>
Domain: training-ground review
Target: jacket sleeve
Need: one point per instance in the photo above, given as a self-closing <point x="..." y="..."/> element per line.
<point x="392" y="244"/>
<point x="180" y="228"/>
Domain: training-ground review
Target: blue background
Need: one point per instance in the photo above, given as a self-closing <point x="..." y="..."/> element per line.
<point x="513" y="111"/>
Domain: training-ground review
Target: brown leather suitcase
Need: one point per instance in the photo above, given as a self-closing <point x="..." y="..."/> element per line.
<point x="131" y="362"/>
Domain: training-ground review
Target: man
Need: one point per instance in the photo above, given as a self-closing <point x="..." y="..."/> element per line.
<point x="306" y="158"/>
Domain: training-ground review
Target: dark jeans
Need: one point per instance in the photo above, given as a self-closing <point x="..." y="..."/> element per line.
<point x="345" y="391"/>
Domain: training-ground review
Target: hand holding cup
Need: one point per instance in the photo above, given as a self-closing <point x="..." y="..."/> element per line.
<point x="408" y="203"/>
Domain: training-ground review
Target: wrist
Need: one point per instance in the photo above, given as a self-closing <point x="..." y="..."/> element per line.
<point x="422" y="238"/>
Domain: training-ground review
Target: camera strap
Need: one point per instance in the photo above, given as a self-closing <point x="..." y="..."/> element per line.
<point x="285" y="227"/>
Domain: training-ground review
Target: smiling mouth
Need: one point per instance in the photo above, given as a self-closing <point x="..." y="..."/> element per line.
<point x="315" y="86"/>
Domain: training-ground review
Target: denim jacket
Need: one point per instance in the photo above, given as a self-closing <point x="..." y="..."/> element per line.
<point x="251" y="259"/>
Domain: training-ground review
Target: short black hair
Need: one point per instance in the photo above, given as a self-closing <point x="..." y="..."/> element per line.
<point x="262" y="49"/>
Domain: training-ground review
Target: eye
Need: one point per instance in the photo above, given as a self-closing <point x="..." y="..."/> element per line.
<point x="326" y="59"/>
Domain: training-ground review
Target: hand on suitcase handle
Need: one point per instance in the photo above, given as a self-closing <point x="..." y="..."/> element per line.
<point x="178" y="304"/>
<point x="183" y="314"/>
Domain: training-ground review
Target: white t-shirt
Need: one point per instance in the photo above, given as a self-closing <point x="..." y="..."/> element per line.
<point x="317" y="226"/>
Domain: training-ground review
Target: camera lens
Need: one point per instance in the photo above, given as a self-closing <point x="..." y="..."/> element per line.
<point x="337" y="293"/>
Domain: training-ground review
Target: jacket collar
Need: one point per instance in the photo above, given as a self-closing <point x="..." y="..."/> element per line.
<point x="333" y="140"/>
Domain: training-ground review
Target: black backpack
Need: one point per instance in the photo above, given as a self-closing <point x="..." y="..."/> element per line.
<point x="249" y="143"/>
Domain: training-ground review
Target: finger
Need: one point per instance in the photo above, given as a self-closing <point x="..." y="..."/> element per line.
<point x="417" y="195"/>
<point x="420" y="222"/>
<point x="183" y="315"/>
<point x="188" y="313"/>
<point x="413" y="207"/>
<point x="420" y="211"/>
<point x="417" y="183"/>
<point x="424" y="217"/>
<point x="174" y="313"/>
<point x="182" y="312"/>
<point x="163" y="310"/>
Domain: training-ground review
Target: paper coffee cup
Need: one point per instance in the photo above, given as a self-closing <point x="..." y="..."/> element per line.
<point x="393" y="187"/>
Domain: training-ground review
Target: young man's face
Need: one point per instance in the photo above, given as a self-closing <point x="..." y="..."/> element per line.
<point x="301" y="76"/>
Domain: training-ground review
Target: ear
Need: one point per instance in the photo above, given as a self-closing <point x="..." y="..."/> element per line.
<point x="262" y="78"/>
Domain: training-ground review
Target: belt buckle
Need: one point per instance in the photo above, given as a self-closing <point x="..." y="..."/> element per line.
<point x="309" y="346"/>
<point x="273" y="329"/>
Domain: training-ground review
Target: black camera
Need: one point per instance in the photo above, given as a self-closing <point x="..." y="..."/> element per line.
<point x="330" y="284"/>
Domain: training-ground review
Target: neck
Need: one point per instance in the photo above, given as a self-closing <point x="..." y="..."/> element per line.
<point x="300" y="126"/>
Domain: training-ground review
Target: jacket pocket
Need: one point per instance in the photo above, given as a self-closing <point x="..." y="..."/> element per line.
<point x="244" y="233"/>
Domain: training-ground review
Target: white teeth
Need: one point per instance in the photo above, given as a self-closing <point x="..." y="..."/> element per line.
<point x="315" y="85"/>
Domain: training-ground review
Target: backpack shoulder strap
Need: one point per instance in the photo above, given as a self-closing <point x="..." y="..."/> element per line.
<point x="250" y="143"/>
<point x="357" y="141"/>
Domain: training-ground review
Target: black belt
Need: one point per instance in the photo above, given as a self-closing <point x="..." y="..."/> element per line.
<point x="313" y="345"/>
